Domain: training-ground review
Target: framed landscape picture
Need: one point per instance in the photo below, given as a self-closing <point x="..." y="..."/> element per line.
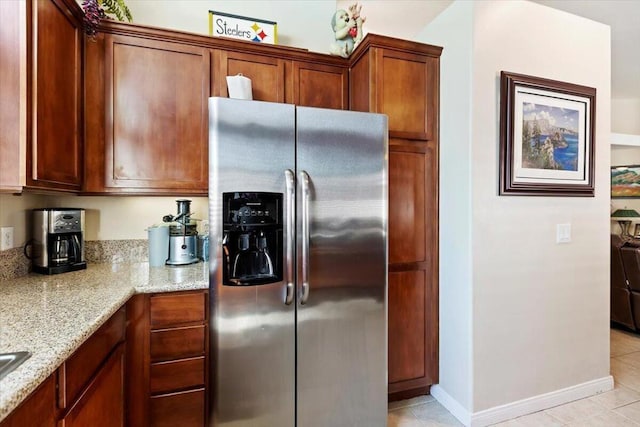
<point x="625" y="182"/>
<point x="546" y="137"/>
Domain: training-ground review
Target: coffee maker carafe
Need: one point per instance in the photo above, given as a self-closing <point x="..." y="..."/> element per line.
<point x="183" y="235"/>
<point x="58" y="241"/>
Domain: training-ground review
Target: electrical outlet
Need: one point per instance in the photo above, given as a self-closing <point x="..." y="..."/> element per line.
<point x="6" y="238"/>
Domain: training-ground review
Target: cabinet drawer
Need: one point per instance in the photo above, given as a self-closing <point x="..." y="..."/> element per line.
<point x="177" y="343"/>
<point x="75" y="372"/>
<point x="177" y="375"/>
<point x="176" y="309"/>
<point x="178" y="409"/>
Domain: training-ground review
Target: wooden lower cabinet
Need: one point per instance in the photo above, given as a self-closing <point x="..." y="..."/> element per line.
<point x="102" y="403"/>
<point x="91" y="381"/>
<point x="413" y="268"/>
<point x="167" y="362"/>
<point x="86" y="390"/>
<point x="39" y="409"/>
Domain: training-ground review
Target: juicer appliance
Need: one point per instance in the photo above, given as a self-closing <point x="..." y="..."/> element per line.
<point x="183" y="235"/>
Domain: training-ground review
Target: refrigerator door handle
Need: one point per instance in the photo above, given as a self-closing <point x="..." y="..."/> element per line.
<point x="306" y="194"/>
<point x="290" y="189"/>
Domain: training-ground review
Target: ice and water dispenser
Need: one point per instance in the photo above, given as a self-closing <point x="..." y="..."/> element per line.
<point x="252" y="238"/>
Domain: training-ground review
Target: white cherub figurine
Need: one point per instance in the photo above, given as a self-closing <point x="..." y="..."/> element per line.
<point x="347" y="29"/>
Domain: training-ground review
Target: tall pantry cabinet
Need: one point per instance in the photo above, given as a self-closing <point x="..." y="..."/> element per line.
<point x="401" y="79"/>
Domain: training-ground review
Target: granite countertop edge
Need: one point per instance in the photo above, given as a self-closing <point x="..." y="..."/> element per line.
<point x="72" y="305"/>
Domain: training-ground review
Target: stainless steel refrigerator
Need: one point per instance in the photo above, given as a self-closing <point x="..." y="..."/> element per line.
<point x="298" y="280"/>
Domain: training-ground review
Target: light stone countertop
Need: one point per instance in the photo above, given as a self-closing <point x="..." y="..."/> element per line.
<point x="51" y="316"/>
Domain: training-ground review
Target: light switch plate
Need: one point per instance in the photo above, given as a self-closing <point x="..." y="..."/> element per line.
<point x="6" y="238"/>
<point x="563" y="233"/>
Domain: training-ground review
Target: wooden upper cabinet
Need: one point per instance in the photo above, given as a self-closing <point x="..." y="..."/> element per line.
<point x="156" y="133"/>
<point x="12" y="59"/>
<point x="397" y="78"/>
<point x="319" y="85"/>
<point x="55" y="149"/>
<point x="403" y="95"/>
<point x="267" y="74"/>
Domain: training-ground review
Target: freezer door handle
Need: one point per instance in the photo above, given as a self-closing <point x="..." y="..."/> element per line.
<point x="306" y="194"/>
<point x="290" y="233"/>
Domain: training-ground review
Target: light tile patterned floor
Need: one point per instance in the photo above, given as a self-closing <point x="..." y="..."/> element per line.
<point x="619" y="407"/>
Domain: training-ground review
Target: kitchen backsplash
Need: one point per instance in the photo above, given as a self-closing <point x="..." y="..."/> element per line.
<point x="116" y="251"/>
<point x="14" y="264"/>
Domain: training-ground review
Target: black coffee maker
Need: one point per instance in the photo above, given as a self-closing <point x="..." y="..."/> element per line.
<point x="57" y="245"/>
<point x="252" y="238"/>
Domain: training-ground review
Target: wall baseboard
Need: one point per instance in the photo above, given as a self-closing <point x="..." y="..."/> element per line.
<point x="451" y="405"/>
<point x="521" y="407"/>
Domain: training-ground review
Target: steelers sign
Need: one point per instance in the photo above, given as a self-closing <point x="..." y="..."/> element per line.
<point x="242" y="27"/>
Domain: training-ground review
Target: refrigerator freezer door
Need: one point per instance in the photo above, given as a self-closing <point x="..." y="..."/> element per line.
<point x="251" y="145"/>
<point x="341" y="330"/>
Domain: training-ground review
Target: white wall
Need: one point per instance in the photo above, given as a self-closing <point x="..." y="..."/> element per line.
<point x="530" y="336"/>
<point x="403" y="19"/>
<point x="303" y="24"/>
<point x="15" y="211"/>
<point x="452" y="29"/>
<point x="625" y="116"/>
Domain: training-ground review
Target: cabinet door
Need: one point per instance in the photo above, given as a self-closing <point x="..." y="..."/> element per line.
<point x="80" y="368"/>
<point x="54" y="149"/>
<point x="102" y="404"/>
<point x="12" y="58"/>
<point x="404" y="90"/>
<point x="266" y="74"/>
<point x="322" y="86"/>
<point x="413" y="293"/>
<point x="39" y="409"/>
<point x="156" y="135"/>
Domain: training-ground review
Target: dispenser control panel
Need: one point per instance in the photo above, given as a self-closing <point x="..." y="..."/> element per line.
<point x="252" y="208"/>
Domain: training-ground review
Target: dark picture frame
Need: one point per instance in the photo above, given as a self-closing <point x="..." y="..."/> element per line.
<point x="547" y="130"/>
<point x="625" y="182"/>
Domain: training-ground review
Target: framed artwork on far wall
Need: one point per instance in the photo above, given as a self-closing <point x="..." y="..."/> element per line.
<point x="625" y="182"/>
<point x="546" y="137"/>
